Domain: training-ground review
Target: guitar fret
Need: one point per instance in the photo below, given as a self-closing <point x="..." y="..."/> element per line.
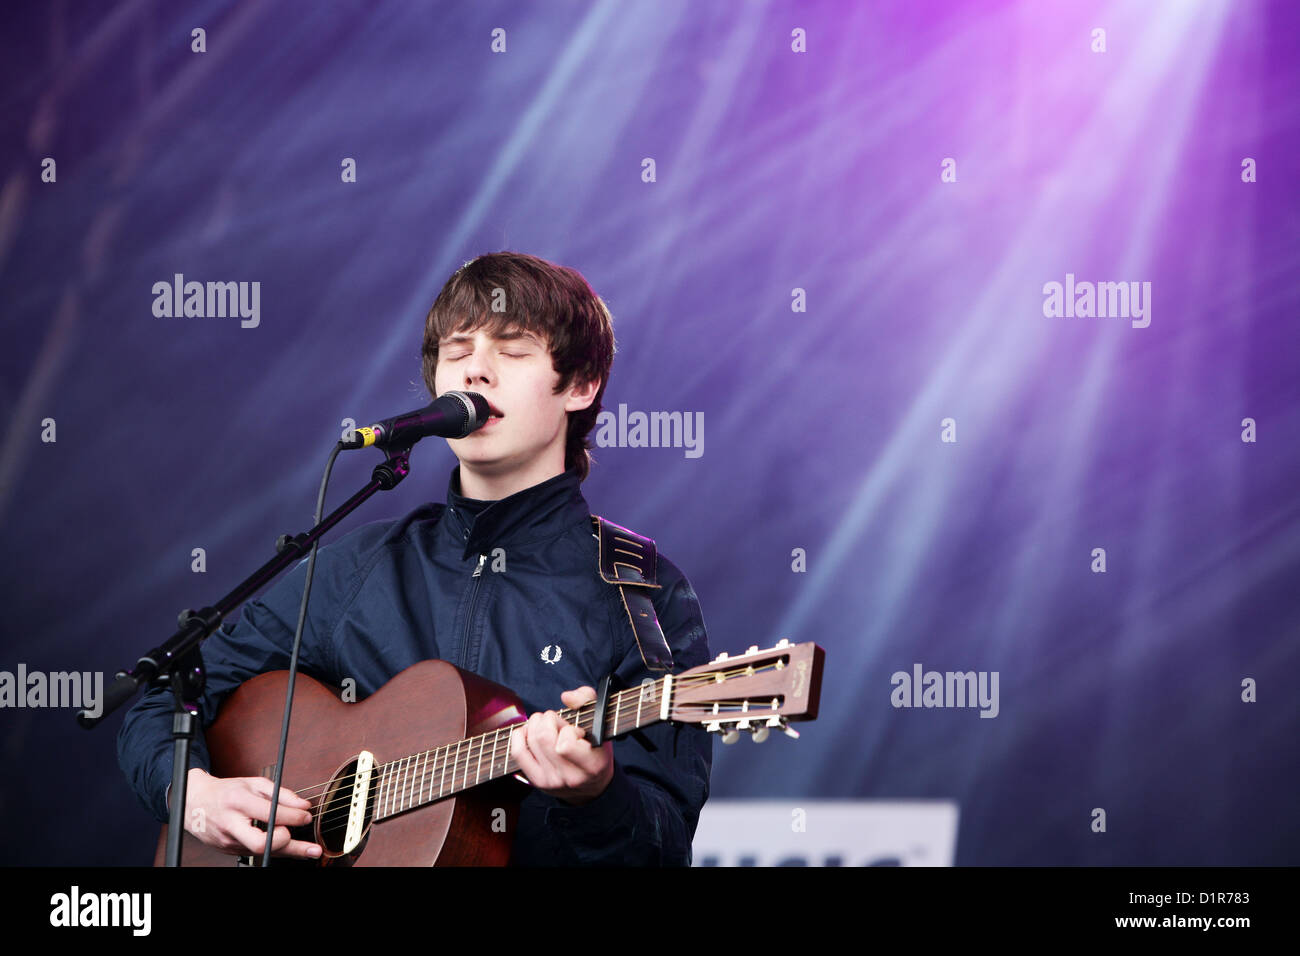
<point x="443" y="779"/>
<point x="478" y="770"/>
<point x="406" y="783"/>
<point x="618" y="702"/>
<point x="395" y="795"/>
<point x="392" y="788"/>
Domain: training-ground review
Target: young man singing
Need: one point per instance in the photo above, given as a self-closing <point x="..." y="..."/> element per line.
<point x="502" y="582"/>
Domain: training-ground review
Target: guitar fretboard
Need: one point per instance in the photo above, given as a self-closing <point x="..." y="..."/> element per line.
<point x="421" y="778"/>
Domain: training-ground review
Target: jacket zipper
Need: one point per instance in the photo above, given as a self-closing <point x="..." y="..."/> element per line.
<point x="469" y="617"/>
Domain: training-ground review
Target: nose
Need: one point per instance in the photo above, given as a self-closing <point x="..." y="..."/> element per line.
<point x="479" y="369"/>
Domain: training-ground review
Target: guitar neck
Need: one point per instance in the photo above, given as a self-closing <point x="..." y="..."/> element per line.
<point x="421" y="778"/>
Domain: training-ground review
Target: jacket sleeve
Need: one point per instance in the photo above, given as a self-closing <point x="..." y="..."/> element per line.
<point x="259" y="640"/>
<point x="648" y="813"/>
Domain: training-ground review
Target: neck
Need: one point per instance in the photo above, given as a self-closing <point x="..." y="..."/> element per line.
<point x="490" y="486"/>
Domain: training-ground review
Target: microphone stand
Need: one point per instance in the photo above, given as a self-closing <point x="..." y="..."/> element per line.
<point x="177" y="663"/>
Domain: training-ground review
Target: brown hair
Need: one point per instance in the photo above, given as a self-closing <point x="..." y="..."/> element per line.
<point x="554" y="303"/>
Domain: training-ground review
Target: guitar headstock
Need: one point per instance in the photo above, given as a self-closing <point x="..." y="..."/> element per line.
<point x="755" y="691"/>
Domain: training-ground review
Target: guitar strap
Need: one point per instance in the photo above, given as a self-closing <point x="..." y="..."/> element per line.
<point x="627" y="560"/>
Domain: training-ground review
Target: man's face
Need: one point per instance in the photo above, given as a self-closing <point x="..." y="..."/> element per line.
<point x="514" y="372"/>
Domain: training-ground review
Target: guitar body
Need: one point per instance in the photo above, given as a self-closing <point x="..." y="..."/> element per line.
<point x="429" y="704"/>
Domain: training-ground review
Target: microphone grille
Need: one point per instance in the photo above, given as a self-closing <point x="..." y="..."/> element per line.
<point x="477" y="411"/>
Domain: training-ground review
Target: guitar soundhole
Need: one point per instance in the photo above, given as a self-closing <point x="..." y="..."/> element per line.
<point x="331" y="817"/>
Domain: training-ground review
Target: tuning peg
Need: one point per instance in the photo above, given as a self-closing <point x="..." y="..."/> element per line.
<point x="783" y="642"/>
<point x="731" y="736"/>
<point x="791" y="732"/>
<point x="753" y="649"/>
<point x="760" y="734"/>
<point x="720" y="657"/>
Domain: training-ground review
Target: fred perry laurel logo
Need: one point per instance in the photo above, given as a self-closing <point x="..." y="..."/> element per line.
<point x="551" y="653"/>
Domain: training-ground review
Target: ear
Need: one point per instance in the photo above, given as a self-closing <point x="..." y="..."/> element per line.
<point x="580" y="395"/>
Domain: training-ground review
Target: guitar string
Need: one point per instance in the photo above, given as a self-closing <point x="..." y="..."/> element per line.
<point x="461" y="769"/>
<point x="586" y="721"/>
<point x="460" y="773"/>
<point x="465" y="774"/>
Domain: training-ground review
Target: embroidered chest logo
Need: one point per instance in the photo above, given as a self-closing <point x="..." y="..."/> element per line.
<point x="551" y="653"/>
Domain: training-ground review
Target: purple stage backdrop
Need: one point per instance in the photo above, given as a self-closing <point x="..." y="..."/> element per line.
<point x="979" y="319"/>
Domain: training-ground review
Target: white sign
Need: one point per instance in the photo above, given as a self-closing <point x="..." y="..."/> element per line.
<point x="826" y="833"/>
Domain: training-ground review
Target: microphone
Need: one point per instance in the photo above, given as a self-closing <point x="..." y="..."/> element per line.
<point x="450" y="415"/>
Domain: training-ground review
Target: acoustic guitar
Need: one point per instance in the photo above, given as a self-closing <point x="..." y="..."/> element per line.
<point x="419" y="773"/>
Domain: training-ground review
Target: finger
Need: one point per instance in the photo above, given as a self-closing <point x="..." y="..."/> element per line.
<point x="248" y="837"/>
<point x="281" y="845"/>
<point x="288" y="798"/>
<point x="575" y="759"/>
<point x="578" y="697"/>
<point x="578" y="752"/>
<point x="542" y="730"/>
<point x="568" y="757"/>
<point x="575" y="731"/>
<point x="293" y="809"/>
<point x="528" y="764"/>
<point x="300" y="849"/>
<point x="253" y="840"/>
<point x="258" y="808"/>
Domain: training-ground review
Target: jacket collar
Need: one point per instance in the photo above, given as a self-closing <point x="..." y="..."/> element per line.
<point x="542" y="511"/>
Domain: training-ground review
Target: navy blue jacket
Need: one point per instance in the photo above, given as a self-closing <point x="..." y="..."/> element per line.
<point x="392" y="593"/>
